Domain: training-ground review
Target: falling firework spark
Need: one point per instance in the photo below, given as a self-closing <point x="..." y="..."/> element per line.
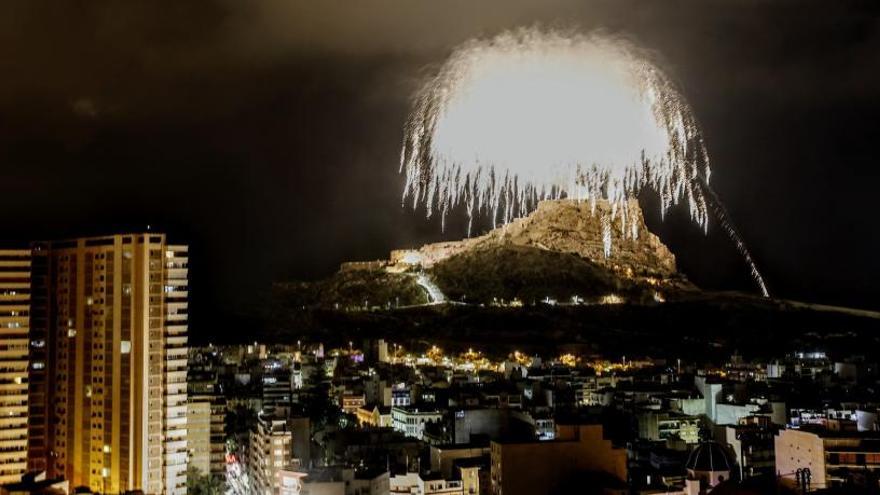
<point x="531" y="115"/>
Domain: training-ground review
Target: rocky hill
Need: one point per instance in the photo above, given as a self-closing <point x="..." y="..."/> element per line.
<point x="574" y="227"/>
<point x="544" y="280"/>
<point x="555" y="255"/>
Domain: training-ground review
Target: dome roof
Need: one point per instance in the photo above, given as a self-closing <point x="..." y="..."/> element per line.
<point x="709" y="456"/>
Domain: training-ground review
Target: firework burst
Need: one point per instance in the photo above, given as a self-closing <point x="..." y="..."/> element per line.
<point x="532" y="114"/>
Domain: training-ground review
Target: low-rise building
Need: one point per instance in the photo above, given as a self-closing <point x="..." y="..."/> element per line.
<point x="443" y="457"/>
<point x="474" y="474"/>
<point x="435" y="484"/>
<point x="375" y="416"/>
<point x="833" y="458"/>
<point x="401" y="396"/>
<point x="579" y="454"/>
<point x="350" y="403"/>
<point x="198" y="434"/>
<point x="366" y="482"/>
<point x="270" y="451"/>
<point x="411" y="420"/>
<point x="752" y="444"/>
<point x="661" y="426"/>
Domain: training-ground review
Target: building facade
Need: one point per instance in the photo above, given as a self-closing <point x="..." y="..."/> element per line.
<point x="411" y="421"/>
<point x="833" y="458"/>
<point x="111" y="316"/>
<point x="663" y="425"/>
<point x="15" y="307"/>
<point x="198" y="434"/>
<point x="578" y="453"/>
<point x="270" y="452"/>
<point x="752" y="442"/>
<point x="206" y="420"/>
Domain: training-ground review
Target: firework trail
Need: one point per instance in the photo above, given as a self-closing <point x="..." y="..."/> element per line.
<point x="723" y="218"/>
<point x="532" y="114"/>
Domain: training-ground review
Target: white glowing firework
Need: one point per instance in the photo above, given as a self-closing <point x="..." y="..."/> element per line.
<point x="532" y="114"/>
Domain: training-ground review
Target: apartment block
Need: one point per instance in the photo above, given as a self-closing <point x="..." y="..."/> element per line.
<point x="110" y="336"/>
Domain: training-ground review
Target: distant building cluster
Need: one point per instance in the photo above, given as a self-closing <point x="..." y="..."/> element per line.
<point x="381" y="419"/>
<point x="103" y="393"/>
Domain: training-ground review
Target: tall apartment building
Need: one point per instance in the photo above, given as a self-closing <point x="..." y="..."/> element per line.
<point x="198" y="434"/>
<point x="270" y="452"/>
<point x="111" y="316"/>
<point x="206" y="421"/>
<point x="39" y="386"/>
<point x="277" y="388"/>
<point x="15" y="298"/>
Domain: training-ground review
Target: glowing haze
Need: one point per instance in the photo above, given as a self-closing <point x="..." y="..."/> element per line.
<point x="533" y="114"/>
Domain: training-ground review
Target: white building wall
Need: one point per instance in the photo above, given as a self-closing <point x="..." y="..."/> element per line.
<point x="797" y="449"/>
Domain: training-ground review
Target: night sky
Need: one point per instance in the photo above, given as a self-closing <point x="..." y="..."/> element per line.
<point x="266" y="134"/>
